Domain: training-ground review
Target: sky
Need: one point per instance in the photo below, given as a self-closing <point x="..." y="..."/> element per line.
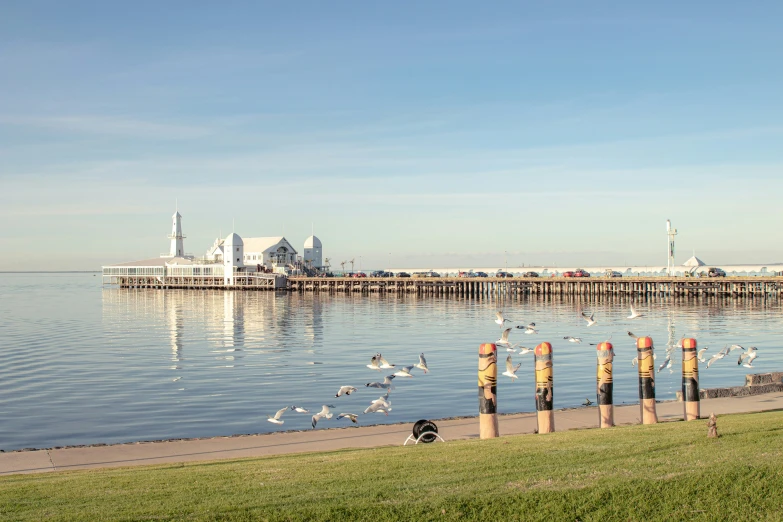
<point x="407" y="134"/>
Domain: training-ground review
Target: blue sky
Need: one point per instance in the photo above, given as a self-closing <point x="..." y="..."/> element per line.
<point x="442" y="133"/>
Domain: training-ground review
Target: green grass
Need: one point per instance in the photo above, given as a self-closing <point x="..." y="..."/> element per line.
<point x="668" y="471"/>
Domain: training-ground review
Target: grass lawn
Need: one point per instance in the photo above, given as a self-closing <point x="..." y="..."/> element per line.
<point x="668" y="471"/>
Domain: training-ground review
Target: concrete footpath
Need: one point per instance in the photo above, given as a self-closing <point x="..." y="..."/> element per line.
<point x="146" y="453"/>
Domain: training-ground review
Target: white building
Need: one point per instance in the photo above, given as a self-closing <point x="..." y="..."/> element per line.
<point x="313" y="252"/>
<point x="274" y="253"/>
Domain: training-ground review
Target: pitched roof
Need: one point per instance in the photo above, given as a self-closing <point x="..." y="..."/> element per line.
<point x="262" y="244"/>
<point x="694" y="261"/>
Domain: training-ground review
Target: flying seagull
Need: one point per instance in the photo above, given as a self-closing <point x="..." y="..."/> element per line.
<point x="750" y="355"/>
<point x="347" y="390"/>
<point x="529" y="329"/>
<point x="276" y="418"/>
<point x="422" y="364"/>
<point x="524" y="351"/>
<point x="666" y="364"/>
<point x="720" y="355"/>
<point x="573" y="339"/>
<point x="504" y="338"/>
<point x="511" y="370"/>
<point x="386" y="384"/>
<point x="351" y="416"/>
<point x="587" y="402"/>
<point x="379" y="406"/>
<point x="700" y="355"/>
<point x="375" y="363"/>
<point x="299" y="409"/>
<point x="323" y="414"/>
<point x="589" y="318"/>
<point x="405" y="371"/>
<point x="385" y="364"/>
<point x="500" y="319"/>
<point x="634" y="313"/>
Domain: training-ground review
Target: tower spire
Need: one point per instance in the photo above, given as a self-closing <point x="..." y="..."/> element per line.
<point x="177" y="244"/>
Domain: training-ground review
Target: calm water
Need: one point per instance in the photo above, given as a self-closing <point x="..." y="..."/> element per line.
<point x="82" y="364"/>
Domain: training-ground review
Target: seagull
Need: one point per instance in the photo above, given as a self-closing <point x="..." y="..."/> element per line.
<point x="386" y="384"/>
<point x="589" y="318"/>
<point x="635" y="361"/>
<point x="385" y="364"/>
<point x="500" y="319"/>
<point x="383" y="398"/>
<point x="734" y="347"/>
<point x="422" y="363"/>
<point x="630" y="334"/>
<point x="529" y="329"/>
<point x="511" y="370"/>
<point x="378" y="406"/>
<point x="700" y="355"/>
<point x="750" y="355"/>
<point x="375" y="363"/>
<point x="347" y="390"/>
<point x="405" y="371"/>
<point x="666" y="364"/>
<point x="524" y="351"/>
<point x="299" y="409"/>
<point x="720" y="355"/>
<point x="504" y="338"/>
<point x="323" y="414"/>
<point x="276" y="418"/>
<point x="587" y="402"/>
<point x="573" y="339"/>
<point x="351" y="416"/>
<point x="634" y="313"/>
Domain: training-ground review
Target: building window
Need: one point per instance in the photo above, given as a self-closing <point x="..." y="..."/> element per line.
<point x="237" y="260"/>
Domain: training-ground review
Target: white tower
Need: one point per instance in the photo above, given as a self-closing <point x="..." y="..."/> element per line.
<point x="177" y="245"/>
<point x="313" y="252"/>
<point x="233" y="255"/>
<point x="670" y="232"/>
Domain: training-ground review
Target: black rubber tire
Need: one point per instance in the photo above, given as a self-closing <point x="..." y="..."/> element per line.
<point x="422" y="427"/>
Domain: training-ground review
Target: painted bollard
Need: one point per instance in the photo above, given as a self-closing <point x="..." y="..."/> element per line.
<point x="544" y="385"/>
<point x="644" y="353"/>
<point x="690" y="380"/>
<point x="604" y="390"/>
<point x="487" y="391"/>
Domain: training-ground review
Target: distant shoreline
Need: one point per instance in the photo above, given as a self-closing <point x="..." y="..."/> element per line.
<point x="50" y="271"/>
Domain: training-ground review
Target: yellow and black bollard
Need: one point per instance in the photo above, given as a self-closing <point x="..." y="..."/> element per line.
<point x="644" y="352"/>
<point x="487" y="391"/>
<point x="604" y="386"/>
<point x="690" y="380"/>
<point x="544" y="385"/>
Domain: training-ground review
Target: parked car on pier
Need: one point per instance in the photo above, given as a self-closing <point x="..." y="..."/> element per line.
<point x="469" y="273"/>
<point x="530" y="274"/>
<point x="716" y="272"/>
<point x="359" y="274"/>
<point x="566" y="274"/>
<point x="612" y="273"/>
<point x="502" y="273"/>
<point x="481" y="274"/>
<point x="403" y="274"/>
<point x="581" y="273"/>
<point x="381" y="273"/>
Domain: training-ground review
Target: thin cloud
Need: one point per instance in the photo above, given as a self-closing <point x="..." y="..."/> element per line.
<point x="103" y="125"/>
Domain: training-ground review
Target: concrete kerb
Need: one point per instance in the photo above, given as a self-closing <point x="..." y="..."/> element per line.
<point x="233" y="447"/>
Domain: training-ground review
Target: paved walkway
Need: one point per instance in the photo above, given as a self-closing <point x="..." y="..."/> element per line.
<point x="335" y="439"/>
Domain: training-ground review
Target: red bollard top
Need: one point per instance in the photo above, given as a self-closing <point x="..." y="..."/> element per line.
<point x="487" y="348"/>
<point x="604" y="346"/>
<point x="543" y="349"/>
<point x="644" y="342"/>
<point x="689" y="343"/>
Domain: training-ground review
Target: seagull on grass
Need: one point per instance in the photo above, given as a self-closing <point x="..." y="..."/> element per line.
<point x="323" y="414"/>
<point x="345" y="390"/>
<point x="511" y="370"/>
<point x="276" y="418"/>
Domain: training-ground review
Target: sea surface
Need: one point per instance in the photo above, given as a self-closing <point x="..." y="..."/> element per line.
<point x="86" y="364"/>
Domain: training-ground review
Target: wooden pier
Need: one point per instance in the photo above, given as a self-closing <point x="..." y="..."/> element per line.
<point x="242" y="281"/>
<point x="556" y="286"/>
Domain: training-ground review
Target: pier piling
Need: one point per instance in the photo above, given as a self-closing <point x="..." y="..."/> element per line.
<point x="487" y="391"/>
<point x="544" y="388"/>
